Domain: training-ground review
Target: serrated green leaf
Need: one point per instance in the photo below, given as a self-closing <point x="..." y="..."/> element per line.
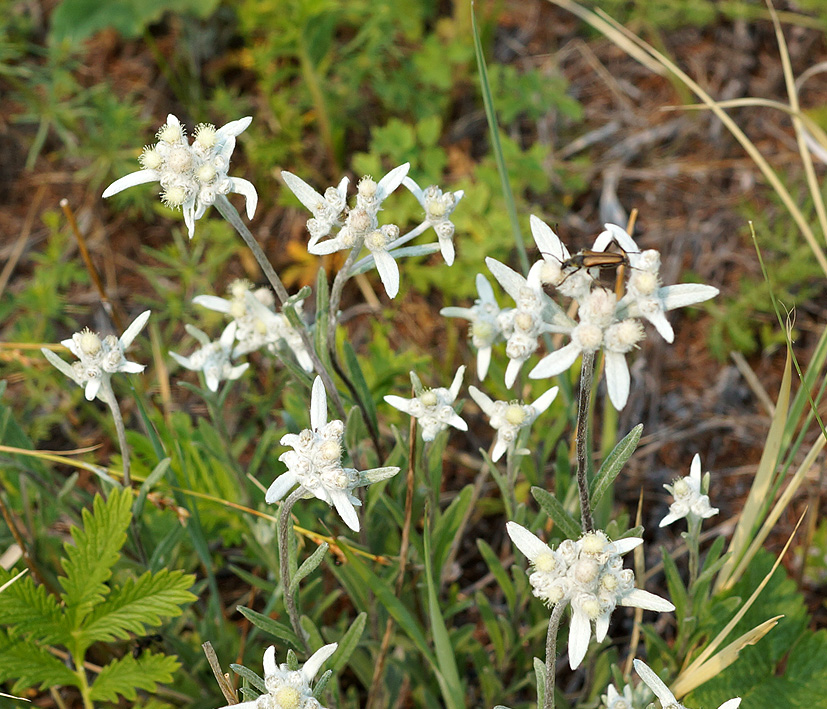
<point x="90" y="560"/>
<point x="29" y="665"/>
<point x="348" y="643"/>
<point x="136" y="605"/>
<point x="555" y="510"/>
<point x="28" y="608"/>
<point x="614" y="463"/>
<point x="309" y="565"/>
<point x="127" y="674"/>
<point x="268" y="625"/>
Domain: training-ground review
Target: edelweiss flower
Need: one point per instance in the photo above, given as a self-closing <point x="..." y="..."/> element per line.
<point x="191" y="176"/>
<point x="438" y="207"/>
<point x="485" y="328"/>
<point x="329" y="210"/>
<point x="257" y="324"/>
<point x="662" y="692"/>
<point x="360" y="227"/>
<point x="507" y="418"/>
<point x="315" y="463"/>
<point x="645" y="297"/>
<point x="433" y="408"/>
<point x="535" y="314"/>
<point x="99" y="358"/>
<point x="598" y="328"/>
<point x="213" y="358"/>
<point x="615" y="700"/>
<point x="689" y="500"/>
<point x="588" y="575"/>
<point x="572" y="282"/>
<point x="286" y="688"/>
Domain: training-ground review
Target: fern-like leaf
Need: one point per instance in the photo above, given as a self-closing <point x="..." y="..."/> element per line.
<point x="137" y="605"/>
<point x="126" y="675"/>
<point x="89" y="562"/>
<point x="29" y="665"/>
<point x="33" y="610"/>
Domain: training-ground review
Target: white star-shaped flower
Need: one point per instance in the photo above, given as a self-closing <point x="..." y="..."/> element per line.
<point x="213" y="357"/>
<point x="589" y="576"/>
<point x="100" y="358"/>
<point x="191" y="175"/>
<point x="508" y="417"/>
<point x="690" y="501"/>
<point x="645" y="297"/>
<point x="438" y="206"/>
<point x="432" y="408"/>
<point x="483" y="316"/>
<point x="258" y="325"/>
<point x="663" y="693"/>
<point x="315" y="463"/>
<point x="286" y="688"/>
<point x="535" y="314"/>
<point x="569" y="281"/>
<point x="329" y="211"/>
<point x="615" y="700"/>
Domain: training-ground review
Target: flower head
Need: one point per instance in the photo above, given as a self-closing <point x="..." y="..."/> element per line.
<point x="99" y="358"/>
<point x="213" y="357"/>
<point x="438" y="206"/>
<point x="257" y="324"/>
<point x="588" y="575"/>
<point x="484" y="317"/>
<point x="433" y="408"/>
<point x="617" y="700"/>
<point x="508" y="417"/>
<point x="664" y="694"/>
<point x="315" y="463"/>
<point x="193" y="174"/>
<point x="286" y="688"/>
<point x="690" y="500"/>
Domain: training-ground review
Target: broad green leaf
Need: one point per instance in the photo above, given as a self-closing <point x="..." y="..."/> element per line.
<point x="614" y="463"/>
<point x="136" y="605"/>
<point x="28" y="666"/>
<point x="555" y="510"/>
<point x="33" y="610"/>
<point x="268" y="625"/>
<point x="348" y="643"/>
<point x="90" y="560"/>
<point x="127" y="674"/>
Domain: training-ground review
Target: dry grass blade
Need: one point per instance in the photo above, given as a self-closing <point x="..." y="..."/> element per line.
<point x="763" y="478"/>
<point x="11" y="581"/>
<point x="686" y="682"/>
<point x="710" y="649"/>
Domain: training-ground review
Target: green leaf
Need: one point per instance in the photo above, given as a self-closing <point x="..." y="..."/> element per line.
<point x="614" y="463"/>
<point x="76" y="20"/>
<point x="31" y="608"/>
<point x="358" y="379"/>
<point x="555" y="510"/>
<point x="448" y="674"/>
<point x="309" y="565"/>
<point x="540" y="674"/>
<point x="136" y="605"/>
<point x="250" y="676"/>
<point x="348" y="643"/>
<point x="496" y="568"/>
<point x="158" y="472"/>
<point x="29" y="665"/>
<point x="268" y="625"/>
<point x="89" y="562"/>
<point x="127" y="674"/>
<point x="448" y="524"/>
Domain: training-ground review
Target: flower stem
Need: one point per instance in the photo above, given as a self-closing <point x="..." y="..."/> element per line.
<point x="290" y="599"/>
<point x="551" y="654"/>
<point x="693" y="544"/>
<point x="112" y="402"/>
<point x="222" y="204"/>
<point x="586" y="376"/>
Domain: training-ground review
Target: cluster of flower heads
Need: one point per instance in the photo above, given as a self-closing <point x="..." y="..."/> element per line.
<point x="605" y="321"/>
<point x="213" y="358"/>
<point x="192" y="175"/>
<point x="336" y="227"/>
<point x="288" y="687"/>
<point x="690" y="498"/>
<point x="664" y="694"/>
<point x="315" y="463"/>
<point x="588" y="575"/>
<point x="99" y="358"/>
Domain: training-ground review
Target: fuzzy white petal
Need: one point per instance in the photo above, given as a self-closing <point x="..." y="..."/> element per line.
<point x="618" y="379"/>
<point x="622" y="546"/>
<point x="580" y="634"/>
<point x="655" y="683"/>
<point x="280" y="487"/>
<point x="345" y="508"/>
<point x="483" y="400"/>
<point x="318" y="405"/>
<point x="269" y="663"/>
<point x="132" y="331"/>
<point x="512" y="370"/>
<point x="731" y="704"/>
<point x="511" y="281"/>
<point x="547" y="241"/>
<point x="483" y="361"/>
<point x="388" y="272"/>
<point x="457" y="383"/>
<point x="141" y="177"/>
<point x="213" y="302"/>
<point x="239" y="185"/>
<point x="638" y="598"/>
<point x="92" y="388"/>
<point x="415" y="190"/>
<point x="305" y="193"/>
<point x="398" y="403"/>
<point x="544" y="401"/>
<point x="317" y="659"/>
<point x="529" y="544"/>
<point x="683" y="294"/>
<point x="60" y="364"/>
<point x="601" y="627"/>
<point x="555" y="362"/>
<point x="391" y="181"/>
